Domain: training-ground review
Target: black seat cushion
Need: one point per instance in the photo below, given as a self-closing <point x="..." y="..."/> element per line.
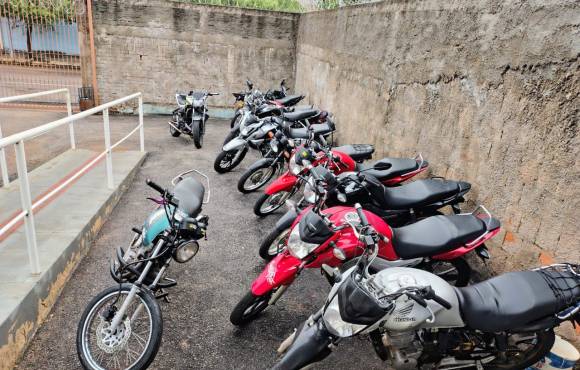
<point x="508" y="301"/>
<point x="318" y="129"/>
<point x="392" y="167"/>
<point x="290" y="100"/>
<point x="357" y="152"/>
<point x="301" y="114"/>
<point x="189" y="194"/>
<point x="418" y="193"/>
<point x="437" y="234"/>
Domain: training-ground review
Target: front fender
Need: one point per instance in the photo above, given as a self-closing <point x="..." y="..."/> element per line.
<point x="280" y="271"/>
<point x="311" y="344"/>
<point x="234" y="144"/>
<point x="286" y="221"/>
<point x="264" y="162"/>
<point x="283" y="183"/>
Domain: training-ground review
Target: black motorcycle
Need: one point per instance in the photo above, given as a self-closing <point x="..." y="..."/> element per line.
<point x="191" y="116"/>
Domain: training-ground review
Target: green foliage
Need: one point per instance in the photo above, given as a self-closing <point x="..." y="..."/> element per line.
<point x="278" y="5"/>
<point x="38" y="11"/>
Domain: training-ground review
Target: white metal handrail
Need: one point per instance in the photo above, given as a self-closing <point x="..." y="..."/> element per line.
<point x="3" y="166"/>
<point x="18" y="141"/>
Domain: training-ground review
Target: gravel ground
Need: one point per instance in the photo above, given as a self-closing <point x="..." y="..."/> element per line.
<point x="197" y="333"/>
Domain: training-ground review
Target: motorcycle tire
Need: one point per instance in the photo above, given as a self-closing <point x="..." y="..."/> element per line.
<point x="544" y="342"/>
<point x="197" y="133"/>
<point x="270" y="246"/>
<point x="100" y="300"/>
<point x="173" y="131"/>
<point x="256" y="304"/>
<point x="461" y="266"/>
<point x="234" y="120"/>
<point x="220" y="168"/>
<point x="258" y="211"/>
<point x="268" y="171"/>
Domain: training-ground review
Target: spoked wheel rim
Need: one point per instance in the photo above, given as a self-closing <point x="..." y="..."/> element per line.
<point x="279" y="244"/>
<point x="258" y="178"/>
<point x="523" y="350"/>
<point x="228" y="160"/>
<point x="123" y="348"/>
<point x="274" y="202"/>
<point x="258" y="305"/>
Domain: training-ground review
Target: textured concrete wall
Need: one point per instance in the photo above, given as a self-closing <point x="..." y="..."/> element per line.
<point x="487" y="90"/>
<point x="161" y="47"/>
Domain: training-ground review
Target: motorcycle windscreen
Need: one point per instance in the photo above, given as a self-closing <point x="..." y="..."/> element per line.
<point x="310" y="345"/>
<point x="313" y="229"/>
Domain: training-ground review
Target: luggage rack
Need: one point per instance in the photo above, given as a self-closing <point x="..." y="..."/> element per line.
<point x="180" y="177"/>
<point x="564" y="281"/>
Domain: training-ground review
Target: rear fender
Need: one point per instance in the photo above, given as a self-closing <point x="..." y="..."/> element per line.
<point x="283" y="183"/>
<point x="282" y="270"/>
<point x="264" y="162"/>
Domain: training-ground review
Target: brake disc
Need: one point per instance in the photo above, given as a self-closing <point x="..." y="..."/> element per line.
<point x="113" y="342"/>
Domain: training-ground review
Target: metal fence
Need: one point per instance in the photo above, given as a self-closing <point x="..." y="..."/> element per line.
<point x="39" y="49"/>
<point x="17" y="140"/>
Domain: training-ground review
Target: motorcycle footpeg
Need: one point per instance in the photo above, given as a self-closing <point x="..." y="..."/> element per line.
<point x="166" y="283"/>
<point x="163" y="295"/>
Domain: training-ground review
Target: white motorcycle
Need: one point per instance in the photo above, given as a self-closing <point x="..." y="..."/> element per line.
<point x="416" y="320"/>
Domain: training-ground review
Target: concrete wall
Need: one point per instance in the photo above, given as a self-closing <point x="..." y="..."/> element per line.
<point x="161" y="47"/>
<point x="487" y="90"/>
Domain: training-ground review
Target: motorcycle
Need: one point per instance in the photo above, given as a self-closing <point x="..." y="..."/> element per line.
<point x="271" y="95"/>
<point x="191" y="116"/>
<point x="256" y="134"/>
<point x="436" y="244"/>
<point x="346" y="158"/>
<point x="121" y="327"/>
<point x="397" y="206"/>
<point x="416" y="320"/>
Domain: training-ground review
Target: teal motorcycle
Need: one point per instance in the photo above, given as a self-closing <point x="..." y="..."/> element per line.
<point x="121" y="327"/>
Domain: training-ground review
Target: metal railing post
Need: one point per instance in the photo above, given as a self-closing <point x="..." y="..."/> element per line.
<point x="26" y="200"/>
<point x="141" y="128"/>
<point x="3" y="165"/>
<point x="109" y="162"/>
<point x="71" y="128"/>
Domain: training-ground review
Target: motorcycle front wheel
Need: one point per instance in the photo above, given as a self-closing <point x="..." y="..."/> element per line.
<point x="227" y="161"/>
<point x="274" y="244"/>
<point x="269" y="203"/>
<point x="254" y="179"/>
<point x="249" y="307"/>
<point x="197" y="133"/>
<point x="133" y="344"/>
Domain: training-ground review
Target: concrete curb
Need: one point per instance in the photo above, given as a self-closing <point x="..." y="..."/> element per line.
<point x="17" y="332"/>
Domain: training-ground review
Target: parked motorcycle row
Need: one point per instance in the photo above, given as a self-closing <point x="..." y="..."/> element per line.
<point x="395" y="263"/>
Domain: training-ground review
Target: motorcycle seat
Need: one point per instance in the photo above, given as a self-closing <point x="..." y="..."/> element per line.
<point x="290" y="100"/>
<point x="436" y="235"/>
<point x="418" y="193"/>
<point x="303" y="133"/>
<point x="391" y="167"/>
<point x="358" y="152"/>
<point x="189" y="194"/>
<point x="513" y="300"/>
<point x="301" y="114"/>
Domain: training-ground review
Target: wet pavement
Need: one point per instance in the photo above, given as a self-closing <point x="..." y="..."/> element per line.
<point x="197" y="333"/>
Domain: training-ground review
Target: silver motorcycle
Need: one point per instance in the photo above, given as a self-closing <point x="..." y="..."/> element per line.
<point x="416" y="320"/>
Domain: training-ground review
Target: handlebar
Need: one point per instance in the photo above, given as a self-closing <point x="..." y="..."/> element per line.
<point x="361" y="215"/>
<point x="212" y="94"/>
<point x="155" y="186"/>
<point x="417" y="299"/>
<point x="430" y="294"/>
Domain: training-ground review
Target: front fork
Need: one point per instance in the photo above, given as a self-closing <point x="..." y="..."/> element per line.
<point x="137" y="285"/>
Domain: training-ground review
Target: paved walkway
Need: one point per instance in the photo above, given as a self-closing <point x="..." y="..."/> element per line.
<point x="197" y="332"/>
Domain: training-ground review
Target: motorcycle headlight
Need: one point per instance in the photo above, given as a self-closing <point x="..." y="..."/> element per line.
<point x="295" y="169"/>
<point x="336" y="325"/>
<point x="309" y="193"/>
<point x="297" y="247"/>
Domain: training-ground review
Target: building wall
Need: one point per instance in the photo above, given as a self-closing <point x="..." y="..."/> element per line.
<point x="488" y="92"/>
<point x="161" y="47"/>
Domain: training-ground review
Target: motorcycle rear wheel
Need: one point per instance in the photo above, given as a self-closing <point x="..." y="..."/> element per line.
<point x="456" y="272"/>
<point x="95" y="345"/>
<point x="541" y="345"/>
<point x="249" y="307"/>
<point x="197" y="133"/>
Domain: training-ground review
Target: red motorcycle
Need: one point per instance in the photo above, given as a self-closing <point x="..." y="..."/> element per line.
<point x="346" y="158"/>
<point x="330" y="237"/>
